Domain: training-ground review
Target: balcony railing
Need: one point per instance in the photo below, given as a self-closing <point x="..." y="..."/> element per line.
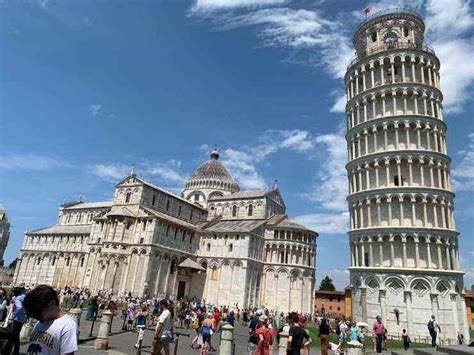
<point x="387" y="47"/>
<point x="389" y="11"/>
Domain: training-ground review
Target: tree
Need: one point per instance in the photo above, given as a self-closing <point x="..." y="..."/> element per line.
<point x="327" y="284"/>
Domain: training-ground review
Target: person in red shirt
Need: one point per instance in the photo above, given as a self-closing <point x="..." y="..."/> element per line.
<point x="379" y="331"/>
<point x="217" y="317"/>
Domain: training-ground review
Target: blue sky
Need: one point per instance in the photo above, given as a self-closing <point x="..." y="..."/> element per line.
<point x="89" y="88"/>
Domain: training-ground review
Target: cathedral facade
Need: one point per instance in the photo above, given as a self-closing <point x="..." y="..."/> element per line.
<point x="405" y="263"/>
<point x="212" y="242"/>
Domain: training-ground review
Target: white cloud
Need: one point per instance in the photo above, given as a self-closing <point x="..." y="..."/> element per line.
<point x="168" y="171"/>
<point x="325" y="222"/>
<point x="325" y="42"/>
<point x="339" y="104"/>
<point x="110" y="172"/>
<point x="29" y="162"/>
<point x="210" y="5"/>
<point x="243" y="162"/>
<point x="446" y="20"/>
<point x="463" y="173"/>
<point x="95" y="109"/>
<point x="330" y="187"/>
<point x="243" y="169"/>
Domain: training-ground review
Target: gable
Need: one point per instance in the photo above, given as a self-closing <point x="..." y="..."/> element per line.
<point x="276" y="196"/>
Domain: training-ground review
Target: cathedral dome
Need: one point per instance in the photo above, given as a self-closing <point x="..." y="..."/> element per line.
<point x="212" y="169"/>
<point x="211" y="178"/>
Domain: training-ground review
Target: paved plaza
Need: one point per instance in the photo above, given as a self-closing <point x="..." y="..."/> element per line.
<point x="122" y="342"/>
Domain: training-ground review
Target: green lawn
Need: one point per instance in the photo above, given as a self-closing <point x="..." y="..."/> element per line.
<point x="392" y="344"/>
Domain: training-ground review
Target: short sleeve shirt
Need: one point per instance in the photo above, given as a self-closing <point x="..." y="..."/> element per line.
<point x="53" y="337"/>
<point x="165" y="320"/>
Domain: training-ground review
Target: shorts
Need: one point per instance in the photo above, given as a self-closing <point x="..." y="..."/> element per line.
<point x="130" y="321"/>
<point x="206" y="338"/>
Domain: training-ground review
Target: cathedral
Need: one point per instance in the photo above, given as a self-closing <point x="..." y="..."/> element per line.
<point x="213" y="242"/>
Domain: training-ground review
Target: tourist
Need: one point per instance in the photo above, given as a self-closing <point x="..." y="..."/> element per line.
<point x="379" y="331"/>
<point x="324" y="336"/>
<point x="433" y="328"/>
<point x="298" y="338"/>
<point x="3" y="305"/>
<point x="196" y="325"/>
<point x="141" y="319"/>
<point x="406" y="340"/>
<point x="207" y="328"/>
<point x="354" y="332"/>
<point x="18" y="316"/>
<point x="164" y="331"/>
<point x="56" y="331"/>
<point x="130" y="315"/>
<point x="265" y="337"/>
<point x="92" y="308"/>
<point x="342" y="327"/>
<point x="230" y="318"/>
<point x="217" y="317"/>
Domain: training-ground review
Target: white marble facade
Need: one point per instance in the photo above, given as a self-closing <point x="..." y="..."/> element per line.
<point x="251" y="252"/>
<point x="404" y="244"/>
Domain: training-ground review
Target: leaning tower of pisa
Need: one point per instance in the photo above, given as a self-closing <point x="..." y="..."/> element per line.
<point x="403" y="240"/>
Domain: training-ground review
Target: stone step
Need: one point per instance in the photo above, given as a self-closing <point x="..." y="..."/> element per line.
<point x="456" y="349"/>
<point x="427" y="351"/>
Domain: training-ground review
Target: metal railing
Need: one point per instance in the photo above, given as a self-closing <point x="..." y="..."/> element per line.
<point x="387" y="47"/>
<point x="389" y="11"/>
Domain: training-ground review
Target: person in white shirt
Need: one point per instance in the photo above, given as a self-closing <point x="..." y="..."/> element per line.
<point x="56" y="332"/>
<point x="164" y="331"/>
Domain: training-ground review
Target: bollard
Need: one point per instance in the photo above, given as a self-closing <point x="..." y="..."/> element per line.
<point x="283" y="344"/>
<point x="227" y="338"/>
<point x="102" y="340"/>
<point x="353" y="347"/>
<point x="75" y="314"/>
<point x="27" y="329"/>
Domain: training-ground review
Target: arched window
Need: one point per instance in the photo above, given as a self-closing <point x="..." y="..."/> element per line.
<point x="231" y="247"/>
<point x="82" y="262"/>
<point x="196" y="197"/>
<point x="153" y="200"/>
<point x="250" y="210"/>
<point x="68" y="260"/>
<point x="373" y="35"/>
<point x="214" y="273"/>
<point x="234" y="211"/>
<point x="128" y="197"/>
<point x="208" y="247"/>
<point x="167" y="205"/>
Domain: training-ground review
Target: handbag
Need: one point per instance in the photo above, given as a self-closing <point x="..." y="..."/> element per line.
<point x="253" y="338"/>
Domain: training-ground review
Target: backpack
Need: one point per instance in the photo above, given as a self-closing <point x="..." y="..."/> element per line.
<point x="338" y="328"/>
<point x="431" y="326"/>
<point x="195" y="324"/>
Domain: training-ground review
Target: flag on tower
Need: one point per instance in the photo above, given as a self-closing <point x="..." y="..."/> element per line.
<point x="366" y="10"/>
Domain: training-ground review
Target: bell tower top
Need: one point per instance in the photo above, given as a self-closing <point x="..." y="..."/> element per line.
<point x="392" y="28"/>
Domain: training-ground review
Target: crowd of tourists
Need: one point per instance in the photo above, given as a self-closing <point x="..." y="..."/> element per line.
<point x="56" y="332"/>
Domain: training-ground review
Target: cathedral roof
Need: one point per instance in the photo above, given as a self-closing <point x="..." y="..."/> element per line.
<point x="239" y="226"/>
<point x="244" y="194"/>
<point x="62" y="229"/>
<point x="85" y="205"/>
<point x="283" y="221"/>
<point x="212" y="169"/>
